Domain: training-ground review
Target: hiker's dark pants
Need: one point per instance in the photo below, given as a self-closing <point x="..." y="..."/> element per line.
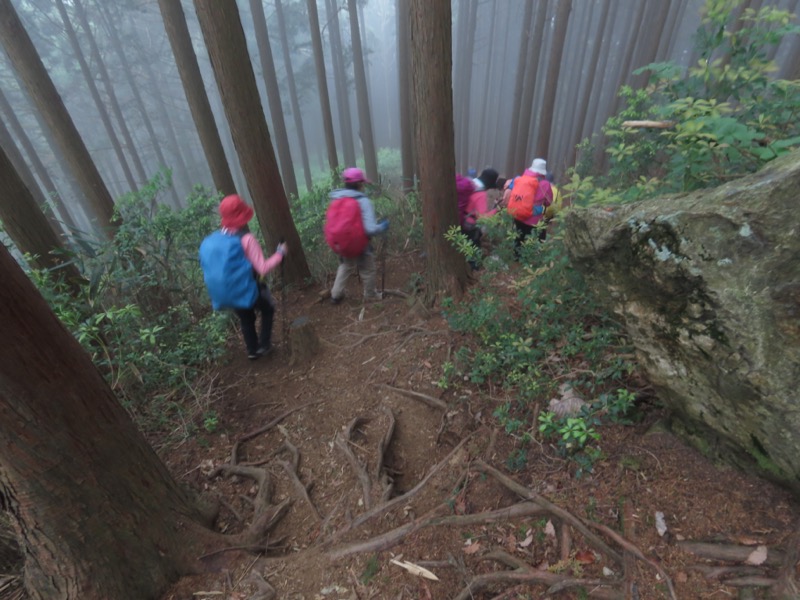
<point x="523" y="231"/>
<point x="247" y="318"/>
<point x="474" y="235"/>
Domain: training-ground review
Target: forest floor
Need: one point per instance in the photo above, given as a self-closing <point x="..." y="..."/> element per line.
<point x="338" y="439"/>
<point x="338" y="442"/>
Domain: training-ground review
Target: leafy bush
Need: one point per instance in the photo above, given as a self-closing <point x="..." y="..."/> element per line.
<point x="724" y="116"/>
<point x="532" y="332"/>
<point x="143" y="314"/>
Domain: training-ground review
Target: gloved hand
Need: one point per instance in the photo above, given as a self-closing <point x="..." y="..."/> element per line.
<point x="383" y="225"/>
<point x="282" y="249"/>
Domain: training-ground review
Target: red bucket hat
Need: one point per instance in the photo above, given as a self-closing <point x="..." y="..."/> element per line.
<point x="235" y="212"/>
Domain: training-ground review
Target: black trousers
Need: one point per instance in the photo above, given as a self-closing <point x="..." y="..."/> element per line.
<point x="247" y="319"/>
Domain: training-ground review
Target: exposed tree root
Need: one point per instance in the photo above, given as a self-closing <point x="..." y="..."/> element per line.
<point x="429" y="400"/>
<point x="742" y="574"/>
<point x="256" y="432"/>
<point x="448" y="460"/>
<point x="524" y="573"/>
<point x="557" y="511"/>
<point x="342" y="442"/>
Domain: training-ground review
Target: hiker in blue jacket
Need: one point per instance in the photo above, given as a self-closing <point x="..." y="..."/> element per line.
<point x="235" y="214"/>
<point x="354" y="181"/>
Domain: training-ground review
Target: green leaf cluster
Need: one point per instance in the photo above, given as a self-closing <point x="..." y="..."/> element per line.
<point x="723" y="117"/>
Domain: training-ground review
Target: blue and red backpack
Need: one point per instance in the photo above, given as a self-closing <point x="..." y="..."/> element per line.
<point x="227" y="272"/>
<point x="344" y="227"/>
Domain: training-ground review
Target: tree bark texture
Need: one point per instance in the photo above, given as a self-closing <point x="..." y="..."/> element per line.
<point x="114" y="37"/>
<point x="88" y="76"/>
<point x="322" y="85"/>
<point x="189" y="70"/>
<point x="26" y="217"/>
<point x="96" y="512"/>
<point x="116" y="110"/>
<point x="296" y="112"/>
<point x="551" y="82"/>
<point x="30" y="69"/>
<point x="533" y="80"/>
<point x="236" y="81"/>
<point x="340" y="84"/>
<point x="362" y="96"/>
<point x="431" y="63"/>
<point x="273" y="97"/>
<point x="404" y="85"/>
<point x="50" y="188"/>
<point x="514" y="129"/>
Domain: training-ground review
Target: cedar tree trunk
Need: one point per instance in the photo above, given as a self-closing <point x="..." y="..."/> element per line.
<point x="96" y="512"/>
<point x="431" y="64"/>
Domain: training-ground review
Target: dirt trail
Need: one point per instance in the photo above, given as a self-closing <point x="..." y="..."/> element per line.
<point x="360" y="443"/>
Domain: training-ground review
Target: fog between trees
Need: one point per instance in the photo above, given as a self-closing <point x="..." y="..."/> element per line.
<point x="529" y="79"/>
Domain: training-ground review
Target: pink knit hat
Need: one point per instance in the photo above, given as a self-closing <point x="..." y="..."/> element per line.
<point x="354" y="175"/>
<point x="235" y="212"/>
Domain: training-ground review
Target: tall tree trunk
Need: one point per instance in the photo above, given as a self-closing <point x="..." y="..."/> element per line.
<point x="649" y="41"/>
<point x="563" y="9"/>
<point x="298" y="116"/>
<point x="340" y="84"/>
<point x="431" y="63"/>
<point x="591" y="72"/>
<point x="101" y="107"/>
<point x="29" y="229"/>
<point x="50" y="188"/>
<point x="43" y="93"/>
<point x="322" y="85"/>
<point x="463" y="156"/>
<point x="114" y="38"/>
<point x="273" y="97"/>
<point x="599" y="74"/>
<point x="112" y="96"/>
<point x="459" y="57"/>
<point x="533" y="80"/>
<point x="514" y="126"/>
<point x="18" y="170"/>
<point x="189" y="70"/>
<point x="97" y="513"/>
<point x="634" y="43"/>
<point x="227" y="47"/>
<point x="167" y="126"/>
<point x="404" y="84"/>
<point x="362" y="96"/>
<point x="483" y="133"/>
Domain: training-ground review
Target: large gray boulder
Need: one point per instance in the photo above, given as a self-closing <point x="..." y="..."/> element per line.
<point x="708" y="286"/>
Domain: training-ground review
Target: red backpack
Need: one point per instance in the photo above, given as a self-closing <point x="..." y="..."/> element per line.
<point x="520" y="203"/>
<point x="344" y="229"/>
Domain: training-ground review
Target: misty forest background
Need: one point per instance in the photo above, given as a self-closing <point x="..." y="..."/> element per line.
<point x="113" y="67"/>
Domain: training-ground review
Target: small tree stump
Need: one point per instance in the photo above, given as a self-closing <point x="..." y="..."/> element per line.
<point x="303" y="341"/>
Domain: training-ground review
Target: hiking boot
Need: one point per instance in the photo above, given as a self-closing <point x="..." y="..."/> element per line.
<point x="254" y="355"/>
<point x="374" y="298"/>
<point x="264" y="350"/>
<point x="336" y="301"/>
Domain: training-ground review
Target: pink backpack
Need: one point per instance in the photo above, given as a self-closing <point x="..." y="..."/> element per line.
<point x="344" y="228"/>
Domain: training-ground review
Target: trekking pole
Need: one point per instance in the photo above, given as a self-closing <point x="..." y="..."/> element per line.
<point x="382" y="260"/>
<point x="285" y="326"/>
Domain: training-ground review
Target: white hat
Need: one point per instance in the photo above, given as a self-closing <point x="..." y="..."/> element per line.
<point x="539" y="165"/>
